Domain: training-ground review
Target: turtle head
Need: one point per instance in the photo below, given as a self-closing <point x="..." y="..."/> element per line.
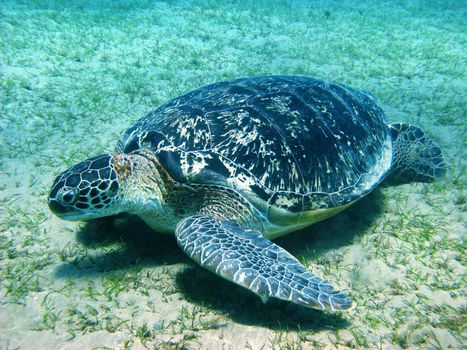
<point x="87" y="190"/>
<point x="109" y="184"/>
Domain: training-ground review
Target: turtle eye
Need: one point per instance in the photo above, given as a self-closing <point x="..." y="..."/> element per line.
<point x="68" y="196"/>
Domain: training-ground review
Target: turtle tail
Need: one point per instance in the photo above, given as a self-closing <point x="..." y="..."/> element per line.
<point x="416" y="156"/>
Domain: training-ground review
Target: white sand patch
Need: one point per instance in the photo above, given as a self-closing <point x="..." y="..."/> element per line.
<point x="370" y="271"/>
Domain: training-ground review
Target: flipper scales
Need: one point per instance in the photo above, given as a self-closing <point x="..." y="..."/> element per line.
<point x="250" y="260"/>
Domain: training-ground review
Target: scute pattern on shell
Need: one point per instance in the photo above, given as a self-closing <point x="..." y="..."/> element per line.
<point x="295" y="142"/>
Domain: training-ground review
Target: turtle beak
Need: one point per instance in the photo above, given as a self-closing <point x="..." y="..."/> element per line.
<point x="56" y="207"/>
<point x="69" y="213"/>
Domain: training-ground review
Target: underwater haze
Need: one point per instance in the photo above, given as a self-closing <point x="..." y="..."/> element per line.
<point x="76" y="74"/>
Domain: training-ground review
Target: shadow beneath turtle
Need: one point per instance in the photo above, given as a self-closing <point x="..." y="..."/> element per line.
<point x="337" y="231"/>
<point x="125" y="241"/>
<point x="118" y="243"/>
<point x="242" y="306"/>
<point x="202" y="287"/>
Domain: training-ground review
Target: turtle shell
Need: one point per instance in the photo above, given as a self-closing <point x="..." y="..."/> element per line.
<point x="294" y="143"/>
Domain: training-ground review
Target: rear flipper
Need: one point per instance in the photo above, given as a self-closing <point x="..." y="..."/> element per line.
<point x="248" y="259"/>
<point x="416" y="156"/>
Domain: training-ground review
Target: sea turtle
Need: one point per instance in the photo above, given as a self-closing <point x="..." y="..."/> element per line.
<point x="231" y="165"/>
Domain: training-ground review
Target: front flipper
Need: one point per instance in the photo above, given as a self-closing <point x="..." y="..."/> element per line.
<point x="250" y="260"/>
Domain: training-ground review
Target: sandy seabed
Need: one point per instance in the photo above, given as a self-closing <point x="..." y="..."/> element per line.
<point x="75" y="74"/>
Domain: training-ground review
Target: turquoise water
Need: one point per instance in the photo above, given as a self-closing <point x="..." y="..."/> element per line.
<point x="75" y="75"/>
